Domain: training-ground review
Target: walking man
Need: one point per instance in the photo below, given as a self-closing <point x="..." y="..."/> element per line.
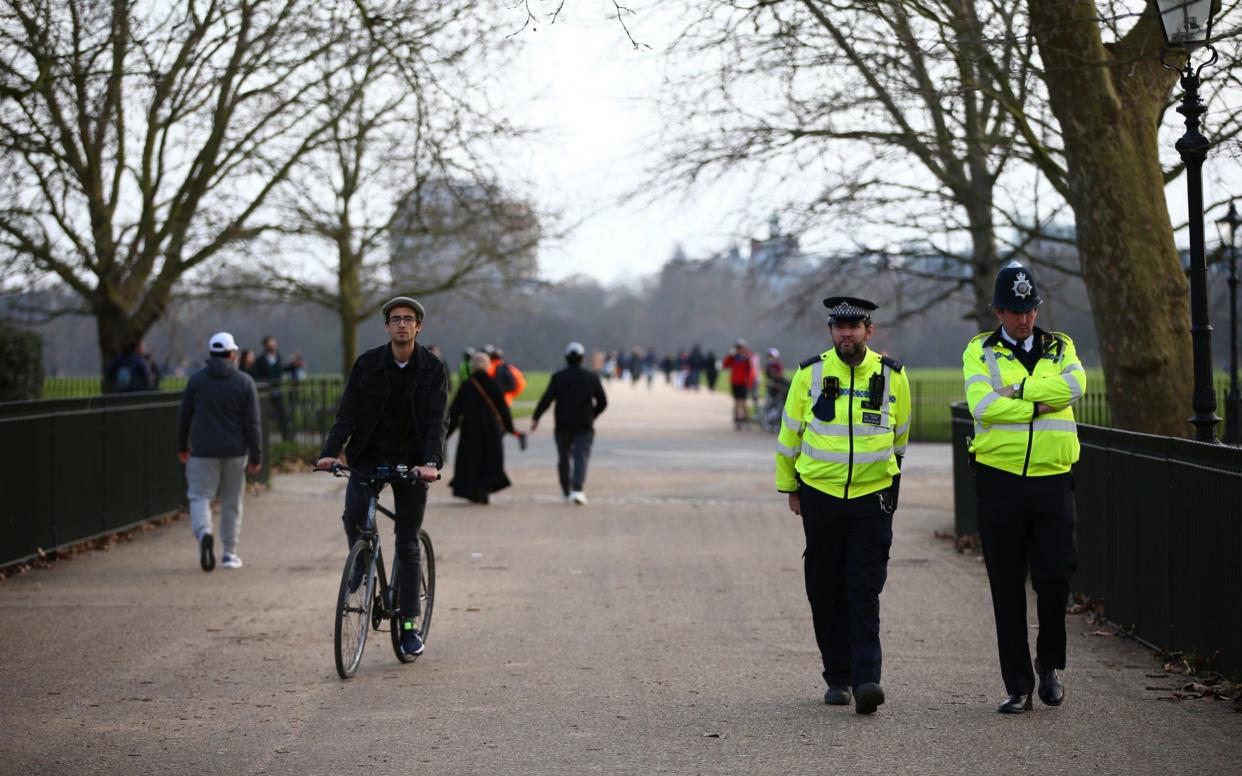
<point x="838" y="457"/>
<point x="1021" y="385"/>
<point x="217" y="429"/>
<point x="580" y="398"/>
<point x="393" y="412"/>
<point x="269" y="369"/>
<point x="741" y="374"/>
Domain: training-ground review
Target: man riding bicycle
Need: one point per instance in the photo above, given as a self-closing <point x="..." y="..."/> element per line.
<point x="393" y="412"/>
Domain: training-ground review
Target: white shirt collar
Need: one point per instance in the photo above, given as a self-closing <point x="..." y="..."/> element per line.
<point x="1027" y="343"/>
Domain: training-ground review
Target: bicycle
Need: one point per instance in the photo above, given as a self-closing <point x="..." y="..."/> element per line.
<point x="773" y="412"/>
<point x="366" y="598"/>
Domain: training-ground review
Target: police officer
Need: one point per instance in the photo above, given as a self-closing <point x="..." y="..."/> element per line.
<point x="838" y="456"/>
<point x="1021" y="385"/>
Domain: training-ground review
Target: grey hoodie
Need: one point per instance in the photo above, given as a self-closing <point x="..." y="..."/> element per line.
<point x="219" y="415"/>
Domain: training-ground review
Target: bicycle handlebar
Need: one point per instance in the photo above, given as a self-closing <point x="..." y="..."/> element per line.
<point x="382" y="473"/>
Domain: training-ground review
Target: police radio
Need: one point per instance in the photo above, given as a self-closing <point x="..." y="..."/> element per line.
<point x="875" y="391"/>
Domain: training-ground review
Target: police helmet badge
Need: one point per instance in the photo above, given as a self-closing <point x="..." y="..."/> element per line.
<point x="1021" y="286"/>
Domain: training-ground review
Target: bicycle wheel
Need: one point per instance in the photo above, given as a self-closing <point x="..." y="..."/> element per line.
<point x="353" y="609"/>
<point x="426" y="598"/>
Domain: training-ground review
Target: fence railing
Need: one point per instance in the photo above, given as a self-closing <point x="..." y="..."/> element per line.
<point x="1159" y="534"/>
<point x="82" y="468"/>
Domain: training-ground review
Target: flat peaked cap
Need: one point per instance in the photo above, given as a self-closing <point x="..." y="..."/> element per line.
<point x="404" y="301"/>
<point x="844" y="309"/>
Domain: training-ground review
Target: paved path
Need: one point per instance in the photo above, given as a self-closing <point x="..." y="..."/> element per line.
<point x="661" y="629"/>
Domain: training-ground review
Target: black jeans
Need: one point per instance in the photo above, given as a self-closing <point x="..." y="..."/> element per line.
<point x="411" y="503"/>
<point x="1027" y="523"/>
<point x="846" y="565"/>
<point x="575" y="445"/>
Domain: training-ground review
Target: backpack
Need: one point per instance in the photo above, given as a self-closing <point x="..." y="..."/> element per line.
<point x="505" y="379"/>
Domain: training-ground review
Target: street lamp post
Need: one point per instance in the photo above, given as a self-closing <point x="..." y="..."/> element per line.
<point x="1187" y="26"/>
<point x="1233" y="401"/>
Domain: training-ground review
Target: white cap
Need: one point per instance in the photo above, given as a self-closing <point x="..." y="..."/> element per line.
<point x="575" y="348"/>
<point x="221" y="342"/>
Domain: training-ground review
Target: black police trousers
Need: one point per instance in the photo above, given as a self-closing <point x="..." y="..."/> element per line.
<point x="1027" y="523"/>
<point x="410" y="500"/>
<point x="846" y="564"/>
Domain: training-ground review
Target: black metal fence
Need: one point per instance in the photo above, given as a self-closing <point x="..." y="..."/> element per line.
<point x="87" y="467"/>
<point x="1159" y="534"/>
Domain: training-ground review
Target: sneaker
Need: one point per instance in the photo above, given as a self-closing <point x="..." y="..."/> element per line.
<point x="578" y="497"/>
<point x="206" y="552"/>
<point x="230" y="561"/>
<point x="411" y="642"/>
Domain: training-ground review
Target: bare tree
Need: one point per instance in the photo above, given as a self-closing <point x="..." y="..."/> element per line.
<point x="896" y="122"/>
<point x="1109" y="92"/>
<point x="357" y="223"/>
<point x="143" y="140"/>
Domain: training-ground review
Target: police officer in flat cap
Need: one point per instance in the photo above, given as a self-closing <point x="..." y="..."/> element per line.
<point x="838" y="457"/>
<point x="1021" y="385"/>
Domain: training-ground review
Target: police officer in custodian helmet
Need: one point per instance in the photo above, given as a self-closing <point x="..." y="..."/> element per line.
<point x="1021" y="385"/>
<point x="838" y="457"/>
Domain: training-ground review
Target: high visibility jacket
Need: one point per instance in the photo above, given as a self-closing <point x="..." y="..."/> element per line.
<point x="519" y="380"/>
<point x="1011" y="434"/>
<point x="844" y="449"/>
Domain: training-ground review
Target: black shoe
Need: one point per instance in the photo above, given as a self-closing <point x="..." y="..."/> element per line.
<point x="1016" y="704"/>
<point x="206" y="552"/>
<point x="837" y="696"/>
<point x="868" y="697"/>
<point x="1051" y="692"/>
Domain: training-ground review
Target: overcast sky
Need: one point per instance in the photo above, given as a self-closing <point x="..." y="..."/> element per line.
<point x="583" y="84"/>
<point x="592" y="96"/>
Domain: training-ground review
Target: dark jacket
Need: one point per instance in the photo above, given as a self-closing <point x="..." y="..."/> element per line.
<point x="267" y="373"/>
<point x="480" y="465"/>
<point x="367" y="391"/>
<point x="579" y="397"/>
<point x="219" y="415"/>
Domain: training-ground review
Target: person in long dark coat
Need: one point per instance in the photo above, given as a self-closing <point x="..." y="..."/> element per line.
<point x="479" y="410"/>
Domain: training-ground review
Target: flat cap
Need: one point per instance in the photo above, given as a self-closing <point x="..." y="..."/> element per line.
<point x="403" y="301"/>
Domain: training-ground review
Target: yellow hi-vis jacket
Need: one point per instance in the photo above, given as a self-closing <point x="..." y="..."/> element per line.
<point x="855" y="452"/>
<point x="1011" y="434"/>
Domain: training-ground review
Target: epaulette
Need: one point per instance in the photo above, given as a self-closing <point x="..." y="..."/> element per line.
<point x="892" y="363"/>
<point x="803" y="364"/>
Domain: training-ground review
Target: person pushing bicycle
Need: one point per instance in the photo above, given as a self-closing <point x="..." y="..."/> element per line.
<point x="393" y="412"/>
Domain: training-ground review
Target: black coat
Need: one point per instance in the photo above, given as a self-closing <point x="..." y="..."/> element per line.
<point x="366" y="392"/>
<point x="480" y="465"/>
<point x="579" y="397"/>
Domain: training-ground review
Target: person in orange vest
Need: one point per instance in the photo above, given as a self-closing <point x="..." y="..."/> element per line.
<point x="511" y="380"/>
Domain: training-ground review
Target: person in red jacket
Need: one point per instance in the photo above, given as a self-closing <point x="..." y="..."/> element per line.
<point x="741" y="376"/>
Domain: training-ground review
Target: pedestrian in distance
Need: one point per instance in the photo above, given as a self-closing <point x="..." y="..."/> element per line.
<point x="269" y="371"/>
<point x="1021" y="385"/>
<point x="392" y="412"/>
<point x="741" y="374"/>
<point x="510" y="379"/>
<point x="838" y="457"/>
<point x="479" y="410"/>
<point x="579" y="397"/>
<point x="710" y="371"/>
<point x="130" y="371"/>
<point x="218" y="429"/>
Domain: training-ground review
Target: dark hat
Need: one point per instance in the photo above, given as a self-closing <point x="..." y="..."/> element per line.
<point x="846" y="309"/>
<point x="1015" y="289"/>
<point x="403" y="301"/>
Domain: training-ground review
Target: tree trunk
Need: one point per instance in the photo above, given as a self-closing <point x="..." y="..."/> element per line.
<point x="114" y="330"/>
<point x="1109" y="102"/>
<point x="983" y="259"/>
<point x="349" y="300"/>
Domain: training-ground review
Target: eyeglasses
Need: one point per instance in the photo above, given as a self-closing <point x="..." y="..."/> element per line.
<point x="407" y="320"/>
